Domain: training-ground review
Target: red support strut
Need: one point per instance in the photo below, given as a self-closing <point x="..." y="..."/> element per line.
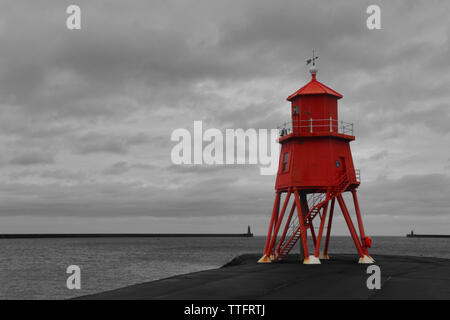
<point x="350" y="225"/>
<point x="303" y="229"/>
<point x="360" y="223"/>
<point x="322" y="224"/>
<point x="279" y="221"/>
<point x="330" y="221"/>
<point x="276" y="206"/>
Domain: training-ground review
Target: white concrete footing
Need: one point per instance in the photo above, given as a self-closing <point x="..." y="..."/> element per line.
<point x="264" y="259"/>
<point x="366" y="260"/>
<point x="311" y="260"/>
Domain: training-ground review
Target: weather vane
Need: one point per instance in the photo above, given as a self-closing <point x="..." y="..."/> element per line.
<point x="313" y="59"/>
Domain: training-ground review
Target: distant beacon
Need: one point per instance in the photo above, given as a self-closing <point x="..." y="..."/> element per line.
<point x="315" y="168"/>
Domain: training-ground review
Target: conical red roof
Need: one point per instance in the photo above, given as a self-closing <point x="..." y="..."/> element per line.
<point x="314" y="87"/>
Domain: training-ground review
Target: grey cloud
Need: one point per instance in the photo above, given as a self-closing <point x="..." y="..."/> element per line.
<point x="212" y="169"/>
<point x="379" y="155"/>
<point x="436" y="118"/>
<point x="32" y="158"/>
<point x="58" y="175"/>
<point x="63" y="175"/>
<point x="413" y="195"/>
<point x="108" y="143"/>
<point x="121" y="167"/>
<point x="117" y="168"/>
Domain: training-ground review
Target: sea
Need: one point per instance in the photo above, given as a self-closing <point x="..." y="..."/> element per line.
<point x="37" y="268"/>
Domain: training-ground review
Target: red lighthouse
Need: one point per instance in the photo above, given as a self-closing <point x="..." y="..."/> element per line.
<point x="315" y="169"/>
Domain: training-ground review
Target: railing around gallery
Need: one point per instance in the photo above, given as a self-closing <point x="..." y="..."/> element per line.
<point x="344" y="179"/>
<point x="316" y="126"/>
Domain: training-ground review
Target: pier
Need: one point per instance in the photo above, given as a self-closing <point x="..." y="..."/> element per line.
<point x="249" y="234"/>
<point x="124" y="235"/>
<point x="402" y="277"/>
<point x="414" y="235"/>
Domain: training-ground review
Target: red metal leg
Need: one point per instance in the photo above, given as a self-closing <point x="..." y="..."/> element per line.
<point x="313" y="232"/>
<point x="275" y="218"/>
<point x="304" y="199"/>
<point x="350" y="225"/>
<point x="279" y="221"/>
<point x="286" y="227"/>
<point x="272" y="219"/>
<point x="303" y="232"/>
<point x="330" y="221"/>
<point x="360" y="223"/>
<point x="322" y="224"/>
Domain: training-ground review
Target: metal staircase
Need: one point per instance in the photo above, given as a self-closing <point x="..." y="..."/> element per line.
<point x="316" y="202"/>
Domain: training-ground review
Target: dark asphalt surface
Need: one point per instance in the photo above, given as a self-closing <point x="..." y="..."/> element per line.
<point x="339" y="278"/>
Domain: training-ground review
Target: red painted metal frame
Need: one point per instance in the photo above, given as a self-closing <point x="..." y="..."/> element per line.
<point x="360" y="223"/>
<point x="286" y="227"/>
<point x="322" y="224"/>
<point x="330" y="221"/>
<point x="275" y="248"/>
<point x="274" y="213"/>
<point x="277" y="227"/>
<point x="303" y="229"/>
<point x="350" y="225"/>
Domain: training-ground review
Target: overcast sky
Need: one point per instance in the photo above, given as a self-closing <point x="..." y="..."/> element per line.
<point x="86" y="116"/>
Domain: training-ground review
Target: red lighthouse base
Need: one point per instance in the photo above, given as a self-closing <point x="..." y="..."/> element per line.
<point x="308" y="206"/>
